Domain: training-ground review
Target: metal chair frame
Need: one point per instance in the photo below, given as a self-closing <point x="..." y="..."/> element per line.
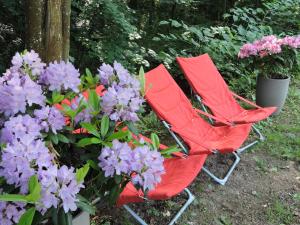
<point x="260" y="137"/>
<point x="190" y="199"/>
<point x="221" y="181"/>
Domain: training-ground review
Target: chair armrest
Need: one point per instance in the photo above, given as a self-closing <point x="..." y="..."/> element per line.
<point x="214" y="117"/>
<point x="245" y="100"/>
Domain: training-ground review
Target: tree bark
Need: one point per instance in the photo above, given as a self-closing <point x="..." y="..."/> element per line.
<point x="66" y="17"/>
<point x="34" y="15"/>
<point x="48" y="28"/>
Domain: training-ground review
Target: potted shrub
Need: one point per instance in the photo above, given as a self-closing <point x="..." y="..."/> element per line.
<point x="62" y="145"/>
<point x="274" y="59"/>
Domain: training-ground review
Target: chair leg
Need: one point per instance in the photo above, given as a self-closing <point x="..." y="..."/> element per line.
<point x="204" y="108"/>
<point x="190" y="199"/>
<point x="260" y="138"/>
<point x="223" y="181"/>
<point x="135" y="216"/>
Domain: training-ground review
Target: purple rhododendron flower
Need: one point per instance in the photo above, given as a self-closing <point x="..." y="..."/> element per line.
<point x="121" y="159"/>
<point x="19" y="159"/>
<point x="58" y="185"/>
<point x="116" y="160"/>
<point x="50" y="117"/>
<point x="16" y="91"/>
<point x="85" y="115"/>
<point x="122" y="99"/>
<point x="28" y="59"/>
<point x="106" y="72"/>
<point x="11" y="212"/>
<point x="150" y="174"/>
<point x="60" y="76"/>
<point x="23" y="128"/>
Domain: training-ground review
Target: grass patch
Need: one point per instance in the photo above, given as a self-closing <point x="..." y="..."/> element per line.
<point x="283" y="131"/>
<point x="278" y="213"/>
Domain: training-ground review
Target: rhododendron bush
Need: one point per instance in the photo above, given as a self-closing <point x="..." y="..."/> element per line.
<point x="63" y="145"/>
<point x="274" y="57"/>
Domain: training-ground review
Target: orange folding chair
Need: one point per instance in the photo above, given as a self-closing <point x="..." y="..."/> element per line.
<point x="212" y="92"/>
<point x="181" y="119"/>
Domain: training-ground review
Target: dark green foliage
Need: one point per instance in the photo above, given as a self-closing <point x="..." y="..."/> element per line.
<point x="149" y="32"/>
<point x="283" y="16"/>
<point x="101" y="31"/>
<point x="12" y="27"/>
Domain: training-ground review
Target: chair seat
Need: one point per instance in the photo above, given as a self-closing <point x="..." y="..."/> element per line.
<point x="225" y="139"/>
<point x="180" y="172"/>
<point x="253" y="115"/>
<point x="205" y="79"/>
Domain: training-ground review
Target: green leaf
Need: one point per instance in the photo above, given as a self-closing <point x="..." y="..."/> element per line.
<point x="94" y="100"/>
<point x="69" y="219"/>
<point x="68" y="111"/>
<point x="34" y="189"/>
<point x="57" y="97"/>
<point x="13" y="198"/>
<point x="88" y="72"/>
<point x="27" y="217"/>
<point x="85" y="205"/>
<point x="62" y="217"/>
<point x="163" y="22"/>
<point x="88" y="141"/>
<point x="91" y="129"/>
<point x="104" y="125"/>
<point x="170" y="150"/>
<point x="54" y="138"/>
<point x="114" y="194"/>
<point x="54" y="216"/>
<point x="142" y="80"/>
<point x="155" y="140"/>
<point x="118" y="179"/>
<point x="132" y="128"/>
<point x="62" y="138"/>
<point x="93" y="164"/>
<point x="118" y="135"/>
<point x="82" y="172"/>
<point x="175" y="23"/>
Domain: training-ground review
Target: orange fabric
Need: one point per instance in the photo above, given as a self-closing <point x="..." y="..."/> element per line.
<point x="208" y="83"/>
<point x="180" y="172"/>
<point x="171" y="105"/>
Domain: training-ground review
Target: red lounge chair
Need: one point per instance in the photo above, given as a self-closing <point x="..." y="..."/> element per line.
<point x="212" y="91"/>
<point x="180" y="172"/>
<point x="179" y="116"/>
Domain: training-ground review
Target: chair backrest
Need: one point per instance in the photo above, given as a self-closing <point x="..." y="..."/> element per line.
<point x="207" y="82"/>
<point x="170" y="103"/>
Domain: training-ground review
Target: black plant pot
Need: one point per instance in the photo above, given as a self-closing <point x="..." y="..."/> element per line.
<point x="272" y="92"/>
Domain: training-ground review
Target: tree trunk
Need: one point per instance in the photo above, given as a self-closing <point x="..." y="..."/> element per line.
<point x="66" y="17"/>
<point x="48" y="28"/>
<point x="34" y="25"/>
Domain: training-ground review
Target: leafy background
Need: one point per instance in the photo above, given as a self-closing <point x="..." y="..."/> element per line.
<point x="150" y="32"/>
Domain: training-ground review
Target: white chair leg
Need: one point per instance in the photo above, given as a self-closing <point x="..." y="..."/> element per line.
<point x="223" y="181"/>
<point x="190" y="199"/>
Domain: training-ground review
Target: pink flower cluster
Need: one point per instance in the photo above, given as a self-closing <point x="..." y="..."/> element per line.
<point x="268" y="45"/>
